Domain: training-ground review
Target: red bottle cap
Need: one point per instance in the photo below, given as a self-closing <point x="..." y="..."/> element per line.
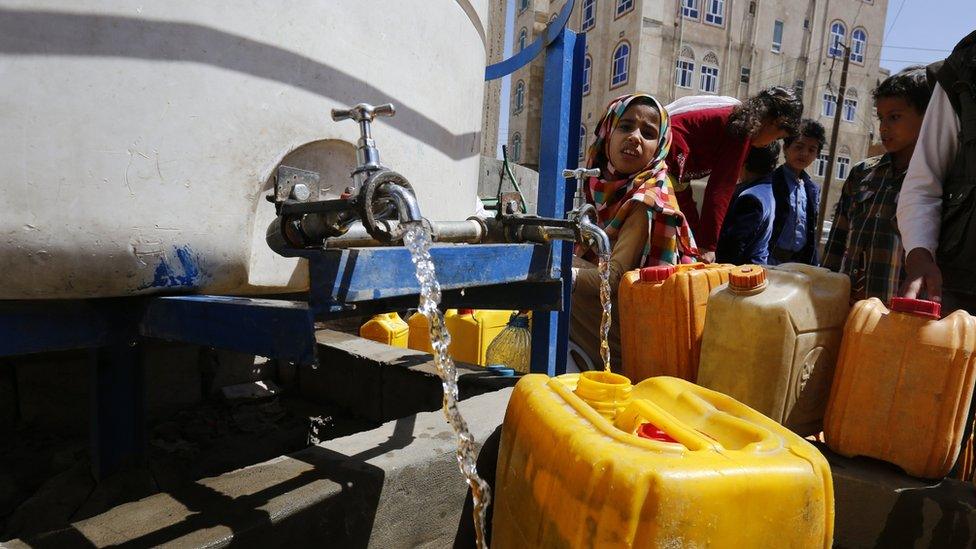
<point x="652" y="432"/>
<point x="920" y="307"/>
<point x="656" y="274"/>
<point x="465" y="311"/>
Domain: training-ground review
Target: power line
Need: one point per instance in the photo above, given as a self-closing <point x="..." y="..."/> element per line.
<point x="914" y="48"/>
<point x="893" y="21"/>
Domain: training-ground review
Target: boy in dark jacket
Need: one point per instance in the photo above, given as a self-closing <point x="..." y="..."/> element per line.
<point x="797" y="198"/>
<point x="748" y="226"/>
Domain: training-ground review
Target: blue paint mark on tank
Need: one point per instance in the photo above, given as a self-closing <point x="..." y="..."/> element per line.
<point x="186" y="275"/>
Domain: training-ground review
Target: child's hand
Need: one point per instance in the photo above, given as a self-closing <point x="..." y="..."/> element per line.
<point x="922" y="273"/>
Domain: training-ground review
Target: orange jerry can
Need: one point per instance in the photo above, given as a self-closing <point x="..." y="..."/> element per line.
<point x="903" y="385"/>
<point x="668" y="302"/>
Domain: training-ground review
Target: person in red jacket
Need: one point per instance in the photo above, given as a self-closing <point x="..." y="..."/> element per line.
<point x="714" y="141"/>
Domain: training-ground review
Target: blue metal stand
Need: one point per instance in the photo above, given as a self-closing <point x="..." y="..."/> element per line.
<point x="559" y="149"/>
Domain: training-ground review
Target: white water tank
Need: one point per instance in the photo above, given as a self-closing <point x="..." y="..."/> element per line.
<point x="140" y="138"/>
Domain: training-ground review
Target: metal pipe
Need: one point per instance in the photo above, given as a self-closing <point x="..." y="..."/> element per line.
<point x="595" y="236"/>
<point x="470" y="231"/>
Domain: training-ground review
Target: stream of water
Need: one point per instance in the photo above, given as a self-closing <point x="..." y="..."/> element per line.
<point x="604" y="269"/>
<point x="417" y="240"/>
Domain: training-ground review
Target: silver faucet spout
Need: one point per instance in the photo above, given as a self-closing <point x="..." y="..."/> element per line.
<point x="595" y="237"/>
<point x="406" y="202"/>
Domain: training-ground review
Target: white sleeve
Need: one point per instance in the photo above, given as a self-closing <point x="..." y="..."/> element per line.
<point x="920" y="201"/>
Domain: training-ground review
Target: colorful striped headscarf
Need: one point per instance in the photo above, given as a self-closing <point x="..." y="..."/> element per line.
<point x="669" y="239"/>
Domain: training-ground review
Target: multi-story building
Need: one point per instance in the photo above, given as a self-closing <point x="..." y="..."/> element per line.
<point x="674" y="48"/>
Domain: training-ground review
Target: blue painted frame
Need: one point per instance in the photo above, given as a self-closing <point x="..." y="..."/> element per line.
<point x="559" y="149"/>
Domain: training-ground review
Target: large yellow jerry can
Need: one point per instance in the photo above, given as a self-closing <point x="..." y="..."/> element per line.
<point x="665" y="305"/>
<point x="386" y="328"/>
<point x="771" y="340"/>
<point x="903" y="385"/>
<point x="471" y="332"/>
<point x="677" y="466"/>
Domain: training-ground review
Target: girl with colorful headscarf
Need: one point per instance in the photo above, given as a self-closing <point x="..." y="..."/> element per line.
<point x="637" y="208"/>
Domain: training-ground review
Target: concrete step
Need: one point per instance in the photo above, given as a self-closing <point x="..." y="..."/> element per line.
<point x="395" y="486"/>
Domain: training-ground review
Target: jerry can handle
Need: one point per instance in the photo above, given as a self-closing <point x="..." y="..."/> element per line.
<point x="639" y="412"/>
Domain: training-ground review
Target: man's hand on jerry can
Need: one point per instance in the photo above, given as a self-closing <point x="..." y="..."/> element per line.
<point x="922" y="276"/>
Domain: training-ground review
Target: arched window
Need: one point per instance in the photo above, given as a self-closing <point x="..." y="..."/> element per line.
<point x="517" y="147"/>
<point x="523" y="5"/>
<point x="582" y="143"/>
<point x="623" y="6"/>
<point x="621" y="65"/>
<point x="859" y="44"/>
<point x="850" y="106"/>
<point x="523" y="36"/>
<point x="843" y="163"/>
<point x="684" y="73"/>
<point x="587" y="73"/>
<point x="519" y="96"/>
<point x="709" y="74"/>
<point x="838" y="36"/>
<point x="589" y="15"/>
<point x="829" y="104"/>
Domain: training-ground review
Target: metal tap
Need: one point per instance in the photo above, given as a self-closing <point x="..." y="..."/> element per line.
<point x="584" y="213"/>
<point x="580" y="175"/>
<point x="367" y="154"/>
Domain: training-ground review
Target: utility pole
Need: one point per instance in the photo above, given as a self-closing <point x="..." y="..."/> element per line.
<point x="833" y="142"/>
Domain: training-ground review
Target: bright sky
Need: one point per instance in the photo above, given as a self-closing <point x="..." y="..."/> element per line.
<point x="923" y="31"/>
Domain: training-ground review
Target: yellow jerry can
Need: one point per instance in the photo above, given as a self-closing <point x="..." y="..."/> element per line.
<point x="666" y="304"/>
<point x="664" y="463"/>
<point x="386" y="328"/>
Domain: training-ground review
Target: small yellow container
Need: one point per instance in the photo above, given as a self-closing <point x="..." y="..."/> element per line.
<point x="386" y="328"/>
<point x="677" y="466"/>
<point x="665" y="305"/>
<point x="771" y="340"/>
<point x="471" y="332"/>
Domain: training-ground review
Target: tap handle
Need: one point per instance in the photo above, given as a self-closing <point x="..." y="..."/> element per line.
<point x="363" y="111"/>
<point x="581" y="173"/>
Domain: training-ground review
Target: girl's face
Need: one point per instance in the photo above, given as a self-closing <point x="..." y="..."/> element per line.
<point x="771" y="130"/>
<point x="633" y="142"/>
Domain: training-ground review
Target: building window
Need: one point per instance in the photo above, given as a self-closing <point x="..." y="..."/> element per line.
<point x="689" y="8"/>
<point x="523" y="36"/>
<point x="623" y="6"/>
<point x="838" y="35"/>
<point x="589" y="14"/>
<point x="582" y="143"/>
<point x="798" y="87"/>
<point x="829" y="104"/>
<point x="820" y="165"/>
<point x="843" y="164"/>
<point x="621" y="65"/>
<point x="685" y="73"/>
<point x="519" y="96"/>
<point x="744" y="73"/>
<point x="708" y="82"/>
<point x="517" y="147"/>
<point x="850" y="106"/>
<point x="715" y="11"/>
<point x="523" y="5"/>
<point x="777" y="36"/>
<point x="587" y="73"/>
<point x="859" y="43"/>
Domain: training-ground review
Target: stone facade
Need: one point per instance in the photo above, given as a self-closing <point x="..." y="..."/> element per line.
<point x="728" y="47"/>
<point x="494" y="53"/>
